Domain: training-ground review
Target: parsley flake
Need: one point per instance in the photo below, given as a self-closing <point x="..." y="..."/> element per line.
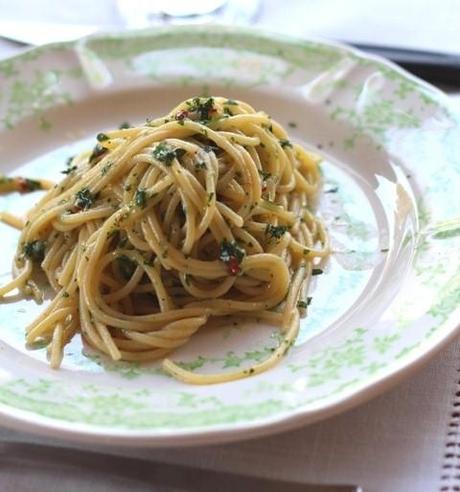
<point x="102" y="137"/>
<point x="304" y="304"/>
<point x="202" y="107"/>
<point x="264" y="174"/>
<point x="166" y="154"/>
<point x="35" y="250"/>
<point x="106" y="169"/>
<point x="26" y="184"/>
<point x="140" y="198"/>
<point x="84" y="198"/>
<point x="98" y="151"/>
<point x="276" y="232"/>
<point x="229" y="250"/>
<point x="69" y="168"/>
<point x="284" y="142"/>
<point x="201" y="165"/>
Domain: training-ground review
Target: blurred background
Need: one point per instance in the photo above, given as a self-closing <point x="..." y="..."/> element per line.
<point x="422" y="24"/>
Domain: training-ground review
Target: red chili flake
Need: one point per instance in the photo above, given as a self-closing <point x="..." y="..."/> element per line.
<point x="182" y="114"/>
<point x="233" y="266"/>
<point x="23" y="185"/>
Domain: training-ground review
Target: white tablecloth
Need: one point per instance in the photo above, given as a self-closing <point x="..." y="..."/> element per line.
<point x="403" y="441"/>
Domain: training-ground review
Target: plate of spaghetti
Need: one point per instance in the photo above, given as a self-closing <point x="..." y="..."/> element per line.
<point x="210" y="234"/>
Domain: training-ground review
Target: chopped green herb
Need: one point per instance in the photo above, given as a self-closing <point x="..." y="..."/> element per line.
<point x="317" y="271"/>
<point x="84" y="198"/>
<point x="124" y="126"/>
<point x="65" y="294"/>
<point x="140" y="198"/>
<point x="228" y="112"/>
<point x="166" y="154"/>
<point x="98" y="151"/>
<point x="231" y="102"/>
<point x="306" y="251"/>
<point x="264" y="174"/>
<point x="69" y="170"/>
<point x="232" y="254"/>
<point x="126" y="266"/>
<point x="199" y="166"/>
<point x="285" y="143"/>
<point x="202" y="107"/>
<point x="106" y="168"/>
<point x="385" y="250"/>
<point x="335" y="189"/>
<point x="304" y="304"/>
<point x="26" y="184"/>
<point x="102" y="137"/>
<point x="276" y="232"/>
<point x="23" y="185"/>
<point x="210" y="197"/>
<point x="35" y="250"/>
<point x="292" y="124"/>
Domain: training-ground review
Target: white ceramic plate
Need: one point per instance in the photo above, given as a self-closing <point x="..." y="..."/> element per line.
<point x="388" y="299"/>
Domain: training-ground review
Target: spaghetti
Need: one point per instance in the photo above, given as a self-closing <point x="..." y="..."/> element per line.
<point x="204" y="213"/>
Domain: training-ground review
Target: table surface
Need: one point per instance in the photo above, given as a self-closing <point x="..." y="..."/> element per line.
<point x="402" y="441"/>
